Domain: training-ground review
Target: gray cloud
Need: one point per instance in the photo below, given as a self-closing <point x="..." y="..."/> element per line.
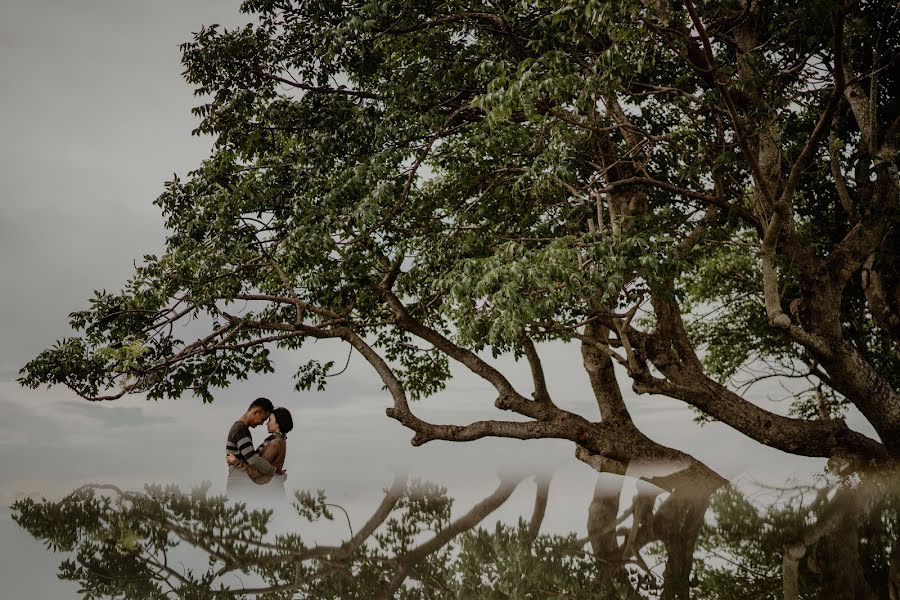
<point x="96" y="117"/>
<point x="115" y="416"/>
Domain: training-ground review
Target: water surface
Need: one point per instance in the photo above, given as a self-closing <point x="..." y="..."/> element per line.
<point x="833" y="537"/>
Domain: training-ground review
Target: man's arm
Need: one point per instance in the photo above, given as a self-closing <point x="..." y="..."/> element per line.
<point x="253" y="459"/>
<point x="247" y="453"/>
<point x="271" y="453"/>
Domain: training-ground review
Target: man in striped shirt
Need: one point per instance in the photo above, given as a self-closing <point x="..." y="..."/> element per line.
<point x="239" y="441"/>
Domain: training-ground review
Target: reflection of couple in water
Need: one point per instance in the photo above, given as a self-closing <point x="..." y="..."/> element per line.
<point x="249" y="467"/>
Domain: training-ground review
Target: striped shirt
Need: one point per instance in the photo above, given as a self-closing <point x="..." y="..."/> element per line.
<point x="240" y="444"/>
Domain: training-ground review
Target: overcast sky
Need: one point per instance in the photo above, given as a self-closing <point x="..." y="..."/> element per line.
<point x="96" y="117"/>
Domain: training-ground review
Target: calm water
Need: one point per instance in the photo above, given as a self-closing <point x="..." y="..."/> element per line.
<point x="836" y="537"/>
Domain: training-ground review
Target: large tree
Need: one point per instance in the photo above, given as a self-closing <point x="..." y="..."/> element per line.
<point x="688" y="190"/>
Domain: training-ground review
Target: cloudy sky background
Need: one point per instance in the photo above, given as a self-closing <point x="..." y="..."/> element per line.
<point x="96" y="117"/>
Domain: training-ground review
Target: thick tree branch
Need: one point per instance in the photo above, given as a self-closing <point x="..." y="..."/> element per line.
<point x="426" y="432"/>
<point x="885" y="309"/>
<point x="600" y="372"/>
<point x="840" y="181"/>
<point x="670" y="351"/>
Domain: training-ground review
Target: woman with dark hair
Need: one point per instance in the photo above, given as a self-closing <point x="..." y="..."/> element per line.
<point x="273" y="449"/>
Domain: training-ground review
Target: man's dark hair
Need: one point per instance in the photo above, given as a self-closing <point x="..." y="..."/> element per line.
<point x="263" y="403"/>
<point x="284" y="419"/>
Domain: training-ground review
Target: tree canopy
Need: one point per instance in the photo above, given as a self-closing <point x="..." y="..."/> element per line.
<point x="692" y="191"/>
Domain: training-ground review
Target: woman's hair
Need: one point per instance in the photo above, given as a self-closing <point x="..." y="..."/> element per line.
<point x="283" y="418"/>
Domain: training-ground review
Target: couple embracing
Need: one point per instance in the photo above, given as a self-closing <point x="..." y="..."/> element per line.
<point x="247" y="466"/>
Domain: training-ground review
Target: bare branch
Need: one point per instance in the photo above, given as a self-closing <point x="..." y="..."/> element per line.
<point x="663" y="185"/>
<point x="301" y="305"/>
<point x="537" y="371"/>
<point x="825" y="119"/>
<point x="777" y="317"/>
<point x="321" y="89"/>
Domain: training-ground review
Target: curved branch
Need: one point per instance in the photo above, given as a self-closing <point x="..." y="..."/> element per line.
<point x="537" y="371"/>
<point x="825" y="119"/>
<point x="671" y="352"/>
<point x="796" y="436"/>
<point x="540" y="507"/>
<point x="476" y="364"/>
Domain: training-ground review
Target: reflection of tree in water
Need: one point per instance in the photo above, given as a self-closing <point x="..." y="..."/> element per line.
<point x="123" y="544"/>
<point x="838" y="542"/>
<point x="830" y="542"/>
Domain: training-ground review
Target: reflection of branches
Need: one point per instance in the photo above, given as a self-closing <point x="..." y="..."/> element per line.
<point x="134" y="531"/>
<point x="540" y="507"/>
<point x="659" y="544"/>
<point x="675" y="522"/>
<point x="846" y="507"/>
<point x="378" y="517"/>
<point x="472" y="518"/>
<point x="837" y="542"/>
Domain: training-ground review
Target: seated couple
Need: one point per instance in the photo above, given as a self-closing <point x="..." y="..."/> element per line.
<point x="266" y="463"/>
